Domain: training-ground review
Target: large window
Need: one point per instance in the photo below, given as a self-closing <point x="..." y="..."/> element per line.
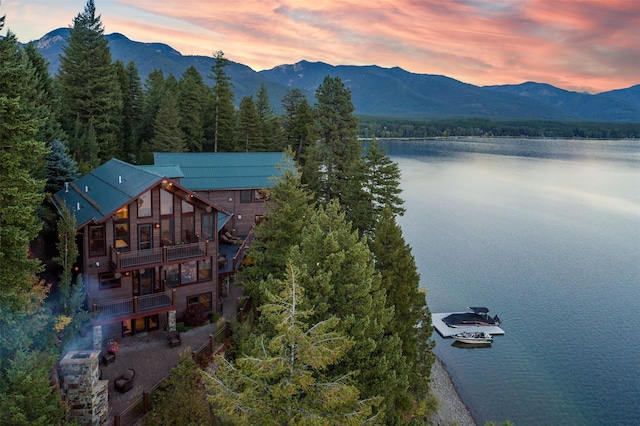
<point x="96" y="240"/>
<point x="204" y="270"/>
<point x="144" y="205"/>
<point x="123" y="213"/>
<point x="145" y="237"/>
<point x="187" y="207"/>
<point x="121" y="231"/>
<point x="188" y="229"/>
<point x="201" y="299"/>
<point x="172" y="275"/>
<point x="166" y="231"/>
<point x="188" y="272"/>
<point x="166" y="202"/>
<point x="207" y="227"/>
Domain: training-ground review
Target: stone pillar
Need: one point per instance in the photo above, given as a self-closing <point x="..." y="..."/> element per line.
<point x="97" y="337"/>
<point x="171" y="321"/>
<point x="85" y="394"/>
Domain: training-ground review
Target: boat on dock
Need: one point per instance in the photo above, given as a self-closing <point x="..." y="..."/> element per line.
<point x="473" y="337"/>
<point x="476" y="316"/>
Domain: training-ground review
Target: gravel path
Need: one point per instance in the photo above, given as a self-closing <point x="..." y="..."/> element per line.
<point x="452" y="411"/>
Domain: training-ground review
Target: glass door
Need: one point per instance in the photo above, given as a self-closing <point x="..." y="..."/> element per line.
<point x="145" y="235"/>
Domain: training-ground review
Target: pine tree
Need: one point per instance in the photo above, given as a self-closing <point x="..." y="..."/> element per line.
<point x="288" y="212"/>
<point x="132" y="100"/>
<point x="284" y="380"/>
<point x="154" y="93"/>
<point x="335" y="169"/>
<point x="269" y="126"/>
<point x="88" y="86"/>
<point x="248" y="130"/>
<point x="181" y="399"/>
<point x="297" y="123"/>
<point x="223" y="104"/>
<point x="411" y="317"/>
<point x="168" y="136"/>
<point x="382" y="183"/>
<point x="341" y="281"/>
<point x="60" y="167"/>
<point x="192" y="94"/>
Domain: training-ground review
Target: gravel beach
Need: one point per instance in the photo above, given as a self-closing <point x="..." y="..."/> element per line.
<point x="452" y="411"/>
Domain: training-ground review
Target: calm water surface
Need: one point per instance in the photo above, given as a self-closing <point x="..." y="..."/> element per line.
<point x="546" y="234"/>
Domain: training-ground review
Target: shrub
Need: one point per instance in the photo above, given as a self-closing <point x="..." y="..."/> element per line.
<point x="194" y="316"/>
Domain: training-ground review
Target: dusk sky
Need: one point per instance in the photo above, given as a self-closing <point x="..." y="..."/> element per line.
<point x="580" y="45"/>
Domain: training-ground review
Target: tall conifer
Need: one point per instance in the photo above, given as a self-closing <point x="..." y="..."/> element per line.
<point x="222" y="104"/>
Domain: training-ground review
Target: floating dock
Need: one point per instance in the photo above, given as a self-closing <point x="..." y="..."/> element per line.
<point x="446" y="331"/>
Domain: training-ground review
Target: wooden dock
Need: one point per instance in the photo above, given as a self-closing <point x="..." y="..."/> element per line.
<point x="445" y="331"/>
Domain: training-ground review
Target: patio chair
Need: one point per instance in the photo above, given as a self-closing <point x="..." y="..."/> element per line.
<point x="174" y="338"/>
<point x="224" y="239"/>
<point x="107" y="357"/>
<point x="231" y="237"/>
<point x="124" y="383"/>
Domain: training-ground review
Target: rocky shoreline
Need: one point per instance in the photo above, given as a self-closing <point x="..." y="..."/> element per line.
<point x="451" y="410"/>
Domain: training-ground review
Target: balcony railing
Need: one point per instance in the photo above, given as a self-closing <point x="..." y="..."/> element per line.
<point x="122" y="261"/>
<point x="123" y="307"/>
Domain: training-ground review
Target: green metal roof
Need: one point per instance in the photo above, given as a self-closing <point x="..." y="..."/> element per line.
<point x="224" y="170"/>
<point x="170" y="171"/>
<point x="102" y="192"/>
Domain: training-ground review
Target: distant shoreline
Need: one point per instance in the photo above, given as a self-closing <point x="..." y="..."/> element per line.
<point x="451" y="410"/>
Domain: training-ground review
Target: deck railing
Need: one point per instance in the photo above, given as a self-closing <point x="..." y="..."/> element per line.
<point x="242" y="251"/>
<point x="158" y="255"/>
<point x="131" y="305"/>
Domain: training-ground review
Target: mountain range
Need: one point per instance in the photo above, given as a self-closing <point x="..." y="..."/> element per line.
<point x="377" y="91"/>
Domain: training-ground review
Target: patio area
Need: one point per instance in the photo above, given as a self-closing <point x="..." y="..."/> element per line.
<point x="152" y="358"/>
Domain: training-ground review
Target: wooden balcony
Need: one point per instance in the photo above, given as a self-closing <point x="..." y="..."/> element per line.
<point x="129" y="260"/>
<point x="122" y="308"/>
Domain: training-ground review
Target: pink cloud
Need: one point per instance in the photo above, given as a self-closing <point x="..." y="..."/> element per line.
<point x="589" y="45"/>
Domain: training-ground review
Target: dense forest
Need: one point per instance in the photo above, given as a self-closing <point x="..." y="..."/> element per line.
<point x="379" y="127"/>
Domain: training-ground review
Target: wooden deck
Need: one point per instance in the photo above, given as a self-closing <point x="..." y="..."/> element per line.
<point x="445" y="331"/>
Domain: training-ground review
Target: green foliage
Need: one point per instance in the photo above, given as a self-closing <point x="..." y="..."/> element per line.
<point x="223" y="108"/>
<point x="181" y="399"/>
<point x="192" y="97"/>
<point x="60" y="167"/>
<point x="383" y="181"/>
<point x="248" y="130"/>
<point x="283" y="381"/>
<point x="168" y="136"/>
<point x="269" y="128"/>
<point x="89" y="89"/>
<point x="21" y="163"/>
<point x="297" y="123"/>
<point x="132" y="100"/>
<point x="26" y="394"/>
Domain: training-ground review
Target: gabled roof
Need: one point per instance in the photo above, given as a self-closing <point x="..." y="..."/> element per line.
<point x="224" y="170"/>
<point x="99" y="194"/>
<point x="103" y="191"/>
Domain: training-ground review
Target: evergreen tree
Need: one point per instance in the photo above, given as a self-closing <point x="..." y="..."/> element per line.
<point x="223" y="104"/>
<point x="341" y="281"/>
<point x="60" y="167"/>
<point x="269" y="126"/>
<point x="248" y="130"/>
<point x="192" y="94"/>
<point x="335" y="170"/>
<point x="26" y="396"/>
<point x="168" y="136"/>
<point x="284" y="381"/>
<point x="382" y="183"/>
<point x="154" y="93"/>
<point x="181" y="399"/>
<point x="89" y="89"/>
<point x="132" y="100"/>
<point x="288" y="212"/>
<point x="22" y="159"/>
<point x="297" y="123"/>
<point x="411" y="317"/>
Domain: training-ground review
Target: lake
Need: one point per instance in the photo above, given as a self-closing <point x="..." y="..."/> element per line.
<point x="546" y="234"/>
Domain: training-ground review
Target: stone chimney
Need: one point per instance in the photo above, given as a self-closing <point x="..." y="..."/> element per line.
<point x="85" y="394"/>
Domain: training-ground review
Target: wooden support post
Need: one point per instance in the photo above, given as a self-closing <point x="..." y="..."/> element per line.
<point x="145" y="402"/>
